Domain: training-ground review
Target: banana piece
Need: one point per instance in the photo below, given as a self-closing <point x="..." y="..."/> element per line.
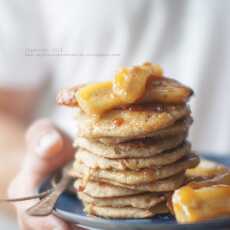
<point x="97" y="98"/>
<point x="192" y="205"/>
<point x="130" y="83"/>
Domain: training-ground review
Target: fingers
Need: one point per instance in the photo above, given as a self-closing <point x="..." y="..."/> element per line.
<point x="47" y="149"/>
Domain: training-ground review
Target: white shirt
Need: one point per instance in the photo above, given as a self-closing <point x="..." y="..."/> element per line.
<point x="190" y="39"/>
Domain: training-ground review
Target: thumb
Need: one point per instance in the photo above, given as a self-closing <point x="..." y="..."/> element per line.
<point x="48" y="148"/>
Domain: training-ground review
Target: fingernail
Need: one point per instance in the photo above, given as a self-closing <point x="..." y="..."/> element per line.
<point x="47" y="142"/>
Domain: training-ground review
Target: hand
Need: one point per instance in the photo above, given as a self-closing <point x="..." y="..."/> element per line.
<point x="47" y="149"/>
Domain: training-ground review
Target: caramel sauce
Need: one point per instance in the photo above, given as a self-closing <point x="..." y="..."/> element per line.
<point x="118" y="122"/>
<point x="102" y="183"/>
<point x="81" y="188"/>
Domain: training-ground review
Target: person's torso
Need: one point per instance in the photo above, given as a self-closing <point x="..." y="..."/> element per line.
<point x="188" y="38"/>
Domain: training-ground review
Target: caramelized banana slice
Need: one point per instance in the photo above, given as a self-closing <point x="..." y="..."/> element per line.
<point x="97" y="98"/>
<point x="192" y="205"/>
<point x="204" y="182"/>
<point x="130" y="83"/>
<point x="165" y="90"/>
<point x="207" y="169"/>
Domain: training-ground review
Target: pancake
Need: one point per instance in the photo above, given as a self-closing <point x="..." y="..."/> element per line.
<point x="145" y="201"/>
<point x="130" y="122"/>
<point x="124" y="213"/>
<point x="131" y="177"/>
<point x="164" y="185"/>
<point x="94" y="161"/>
<point x="180" y="127"/>
<point x="135" y="149"/>
<point x="103" y="190"/>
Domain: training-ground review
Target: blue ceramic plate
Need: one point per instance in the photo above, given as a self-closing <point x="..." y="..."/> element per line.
<point x="69" y="208"/>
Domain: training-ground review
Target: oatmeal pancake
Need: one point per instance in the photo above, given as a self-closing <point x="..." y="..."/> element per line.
<point x="168" y="157"/>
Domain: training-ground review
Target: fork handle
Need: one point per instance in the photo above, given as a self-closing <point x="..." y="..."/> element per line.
<point x="45" y="206"/>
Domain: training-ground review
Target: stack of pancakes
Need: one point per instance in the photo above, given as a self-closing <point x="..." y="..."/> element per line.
<point x="130" y="160"/>
<point x="133" y="157"/>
